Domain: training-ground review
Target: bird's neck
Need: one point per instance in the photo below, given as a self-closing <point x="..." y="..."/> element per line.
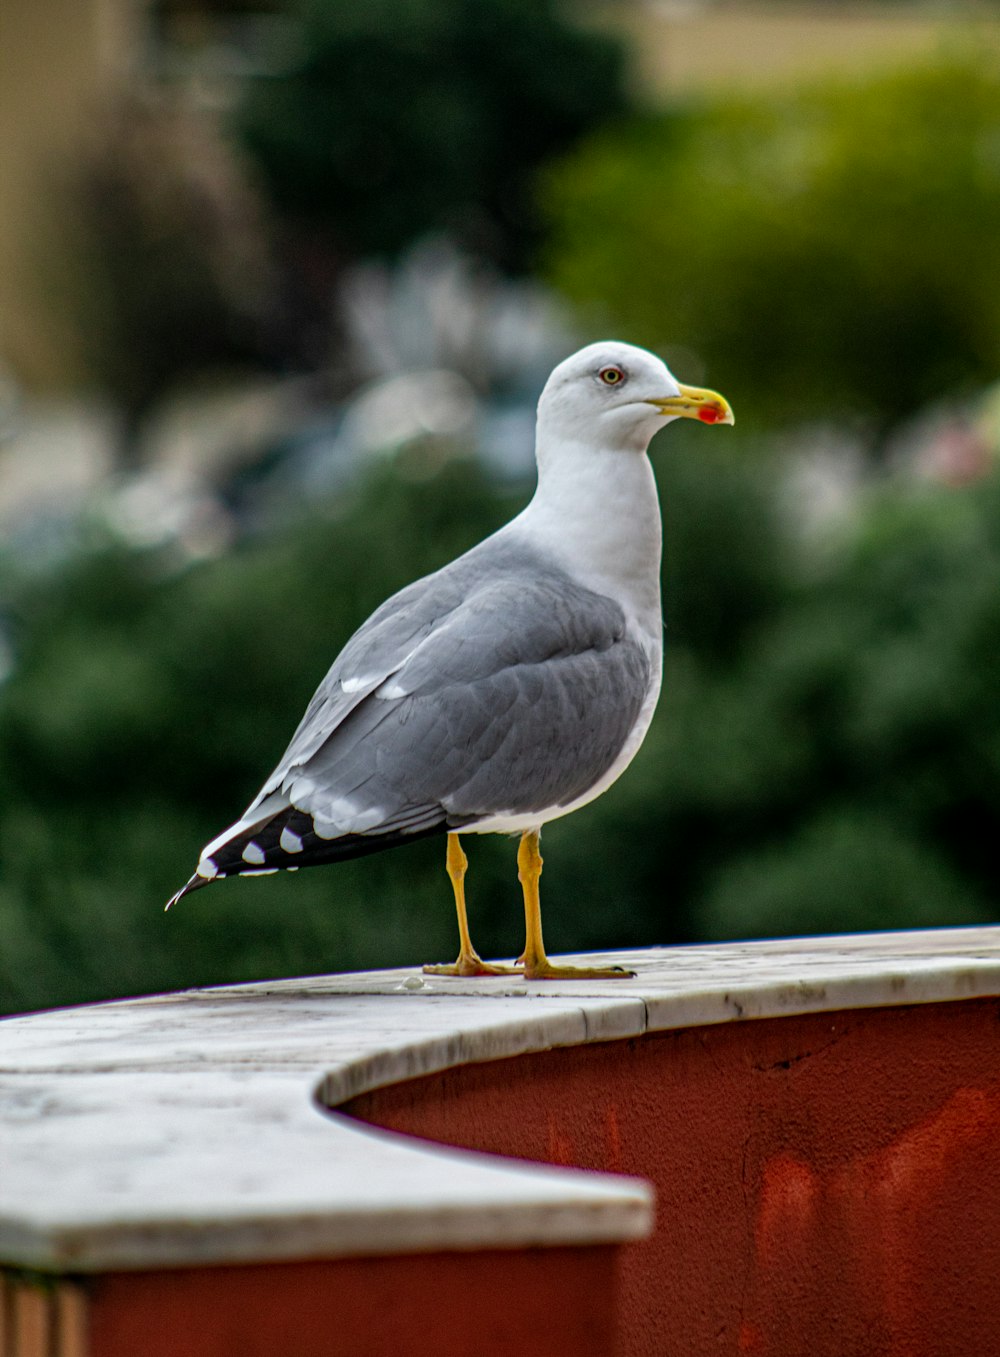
<point x="598" y="513"/>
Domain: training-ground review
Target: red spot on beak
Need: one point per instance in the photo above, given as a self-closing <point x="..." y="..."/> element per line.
<point x="709" y="414"/>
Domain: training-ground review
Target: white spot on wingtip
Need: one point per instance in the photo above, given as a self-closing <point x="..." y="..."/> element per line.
<point x="206" y="868"/>
<point x="263" y="871"/>
<point x="354" y="685"/>
<point x="290" y="841"/>
<point x="253" y="854"/>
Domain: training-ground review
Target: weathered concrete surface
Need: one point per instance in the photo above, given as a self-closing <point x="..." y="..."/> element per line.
<point x="828" y="1176"/>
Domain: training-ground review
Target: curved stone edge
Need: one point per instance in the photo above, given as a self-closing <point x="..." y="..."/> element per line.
<point x="625" y="1214"/>
<point x="226" y="1076"/>
<point x="546" y="1028"/>
<point x="837" y="973"/>
<point x="137" y="1171"/>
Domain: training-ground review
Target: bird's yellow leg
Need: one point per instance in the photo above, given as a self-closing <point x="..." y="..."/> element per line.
<point x="537" y="966"/>
<point x="469" y="961"/>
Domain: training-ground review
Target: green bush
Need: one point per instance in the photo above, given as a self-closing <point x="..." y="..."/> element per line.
<point x="833" y="250"/>
<point x="826" y="753"/>
<point x="146" y="707"/>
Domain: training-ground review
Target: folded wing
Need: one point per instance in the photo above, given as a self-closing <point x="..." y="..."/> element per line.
<point x="496" y="686"/>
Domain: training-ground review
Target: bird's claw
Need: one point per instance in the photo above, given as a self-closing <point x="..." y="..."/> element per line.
<point x="546" y="971"/>
<point x="472" y="965"/>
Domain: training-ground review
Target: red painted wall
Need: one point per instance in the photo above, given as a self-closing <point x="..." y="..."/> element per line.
<point x="533" y="1303"/>
<point x="828" y="1185"/>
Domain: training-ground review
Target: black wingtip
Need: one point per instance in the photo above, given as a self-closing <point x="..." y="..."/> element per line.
<point x="266" y="842"/>
<point x="271" y="855"/>
<point x="195" y="884"/>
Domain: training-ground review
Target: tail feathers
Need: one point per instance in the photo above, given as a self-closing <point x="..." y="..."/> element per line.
<point x="194" y="884"/>
<point x="288" y="840"/>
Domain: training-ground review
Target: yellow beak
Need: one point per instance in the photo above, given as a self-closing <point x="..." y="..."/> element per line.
<point x="694" y="403"/>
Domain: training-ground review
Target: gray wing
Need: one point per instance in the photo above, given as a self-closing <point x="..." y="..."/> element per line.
<point x="498" y="685"/>
<point x="376" y="651"/>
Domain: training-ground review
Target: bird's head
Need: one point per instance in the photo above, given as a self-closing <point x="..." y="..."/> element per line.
<point x="614" y="395"/>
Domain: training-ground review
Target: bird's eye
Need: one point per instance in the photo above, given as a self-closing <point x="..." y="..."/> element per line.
<point x="611" y="376"/>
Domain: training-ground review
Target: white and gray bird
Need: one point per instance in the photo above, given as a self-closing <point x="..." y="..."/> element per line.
<point x="506" y="689"/>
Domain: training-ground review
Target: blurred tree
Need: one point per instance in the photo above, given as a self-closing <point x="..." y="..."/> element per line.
<point x="409" y="116"/>
<point x="204" y="250"/>
<point x="826" y="753"/>
<point x="836" y="249"/>
<point x="174" y="270"/>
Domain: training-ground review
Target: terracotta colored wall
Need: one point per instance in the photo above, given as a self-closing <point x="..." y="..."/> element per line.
<point x="828" y="1185"/>
<point x="535" y="1303"/>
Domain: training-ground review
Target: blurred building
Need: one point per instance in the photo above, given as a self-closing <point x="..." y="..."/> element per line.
<point x="64" y="65"/>
<point x="58" y="62"/>
<point x="683" y="45"/>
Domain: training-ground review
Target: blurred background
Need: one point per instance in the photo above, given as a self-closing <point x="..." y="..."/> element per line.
<point x="280" y="281"/>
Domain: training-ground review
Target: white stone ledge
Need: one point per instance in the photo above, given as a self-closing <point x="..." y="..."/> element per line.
<point x="187" y="1128"/>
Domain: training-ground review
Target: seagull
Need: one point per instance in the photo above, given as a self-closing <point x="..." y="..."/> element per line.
<point x="507" y="689"/>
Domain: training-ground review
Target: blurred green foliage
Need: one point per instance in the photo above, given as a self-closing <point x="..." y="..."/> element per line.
<point x="147" y="705"/>
<point x="826" y="753"/>
<point x="399" y="119"/>
<point x="827" y="750"/>
<point x="832" y="249"/>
